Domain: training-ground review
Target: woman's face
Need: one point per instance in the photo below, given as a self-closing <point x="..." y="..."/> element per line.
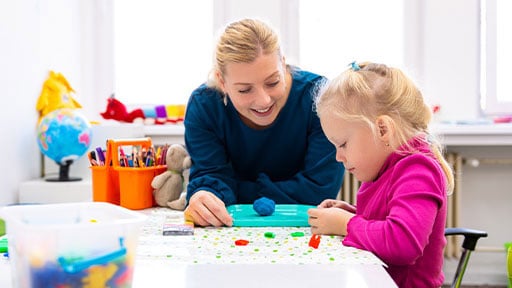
<point x="258" y="90"/>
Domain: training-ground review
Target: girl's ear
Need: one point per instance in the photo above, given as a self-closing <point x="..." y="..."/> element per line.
<point x="385" y="128"/>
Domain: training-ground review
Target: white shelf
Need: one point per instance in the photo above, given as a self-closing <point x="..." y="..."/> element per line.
<point x="449" y="134"/>
<point x="473" y="134"/>
<point x="41" y="191"/>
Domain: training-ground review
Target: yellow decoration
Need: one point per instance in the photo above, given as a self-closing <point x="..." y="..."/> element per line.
<point x="56" y="94"/>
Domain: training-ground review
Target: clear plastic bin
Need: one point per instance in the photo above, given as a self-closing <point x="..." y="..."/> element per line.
<point x="89" y="244"/>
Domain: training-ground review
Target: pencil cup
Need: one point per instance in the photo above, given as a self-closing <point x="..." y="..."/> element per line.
<point x="105" y="185"/>
<point x="135" y="186"/>
<point x="129" y="187"/>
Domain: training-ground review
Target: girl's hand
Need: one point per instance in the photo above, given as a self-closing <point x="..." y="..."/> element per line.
<point x="329" y="221"/>
<point x="331" y="203"/>
<point x="206" y="209"/>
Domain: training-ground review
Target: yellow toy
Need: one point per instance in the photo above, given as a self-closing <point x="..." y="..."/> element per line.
<point x="56" y="94"/>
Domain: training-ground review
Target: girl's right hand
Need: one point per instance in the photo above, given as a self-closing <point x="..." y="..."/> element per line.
<point x="329" y="221"/>
<point x="206" y="209"/>
<point x="331" y="203"/>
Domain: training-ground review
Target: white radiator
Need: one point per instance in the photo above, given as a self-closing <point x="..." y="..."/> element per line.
<point x="453" y="244"/>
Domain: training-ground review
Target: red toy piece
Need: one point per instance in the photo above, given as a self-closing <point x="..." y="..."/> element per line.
<point x="241" y="242"/>
<point x="160" y="114"/>
<point x="314" y="241"/>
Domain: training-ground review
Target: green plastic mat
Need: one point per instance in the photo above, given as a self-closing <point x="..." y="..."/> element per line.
<point x="285" y="215"/>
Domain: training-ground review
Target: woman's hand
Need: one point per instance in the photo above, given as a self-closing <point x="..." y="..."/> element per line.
<point x="329" y="221"/>
<point x="206" y="209"/>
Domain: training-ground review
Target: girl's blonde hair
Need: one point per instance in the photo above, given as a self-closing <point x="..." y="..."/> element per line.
<point x="242" y="42"/>
<point x="369" y="90"/>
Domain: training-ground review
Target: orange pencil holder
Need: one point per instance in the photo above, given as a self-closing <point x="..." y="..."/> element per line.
<point x="129" y="187"/>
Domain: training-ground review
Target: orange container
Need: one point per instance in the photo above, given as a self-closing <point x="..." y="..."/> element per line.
<point x="105" y="184"/>
<point x="129" y="187"/>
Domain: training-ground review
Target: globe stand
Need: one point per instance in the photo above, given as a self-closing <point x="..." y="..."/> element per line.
<point x="64" y="173"/>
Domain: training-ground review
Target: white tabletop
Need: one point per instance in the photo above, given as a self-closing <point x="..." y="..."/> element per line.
<point x="210" y="258"/>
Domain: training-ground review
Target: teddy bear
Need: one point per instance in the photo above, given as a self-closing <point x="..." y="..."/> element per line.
<point x="170" y="186"/>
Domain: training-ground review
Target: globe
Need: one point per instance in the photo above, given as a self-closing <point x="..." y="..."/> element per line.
<point x="64" y="135"/>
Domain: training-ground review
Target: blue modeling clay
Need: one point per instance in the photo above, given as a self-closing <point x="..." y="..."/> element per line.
<point x="264" y="206"/>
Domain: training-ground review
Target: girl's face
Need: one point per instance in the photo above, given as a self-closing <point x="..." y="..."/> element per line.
<point x="361" y="150"/>
<point x="258" y="90"/>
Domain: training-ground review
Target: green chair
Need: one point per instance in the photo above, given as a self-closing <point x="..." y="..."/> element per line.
<point x="468" y="245"/>
<point x="508" y="248"/>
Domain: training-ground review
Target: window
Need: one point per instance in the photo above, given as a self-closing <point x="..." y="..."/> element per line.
<point x="496" y="60"/>
<point x="335" y="33"/>
<point x="162" y="49"/>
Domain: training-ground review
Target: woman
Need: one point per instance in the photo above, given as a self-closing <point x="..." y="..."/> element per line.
<point x="251" y="131"/>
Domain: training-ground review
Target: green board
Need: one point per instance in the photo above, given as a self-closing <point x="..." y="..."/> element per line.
<point x="285" y="215"/>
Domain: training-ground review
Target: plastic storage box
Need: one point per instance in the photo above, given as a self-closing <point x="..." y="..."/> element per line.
<point x="88" y="244"/>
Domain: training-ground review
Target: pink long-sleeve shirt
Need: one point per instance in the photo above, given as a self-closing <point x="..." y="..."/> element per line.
<point x="401" y="218"/>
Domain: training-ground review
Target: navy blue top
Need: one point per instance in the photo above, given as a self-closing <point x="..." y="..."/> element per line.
<point x="290" y="162"/>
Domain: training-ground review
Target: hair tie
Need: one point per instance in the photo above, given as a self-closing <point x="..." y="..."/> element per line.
<point x="354" y="66"/>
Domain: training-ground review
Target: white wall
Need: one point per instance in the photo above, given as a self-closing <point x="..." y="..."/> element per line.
<point x="38" y="35"/>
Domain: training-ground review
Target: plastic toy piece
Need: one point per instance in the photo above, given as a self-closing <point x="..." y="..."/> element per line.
<point x="297" y="234"/>
<point x="314" y="241"/>
<point x="71" y="266"/>
<point x="270" y="235"/>
<point x="241" y="242"/>
<point x="3" y="244"/>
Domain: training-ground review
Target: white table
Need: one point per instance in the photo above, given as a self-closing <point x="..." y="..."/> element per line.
<point x="210" y="258"/>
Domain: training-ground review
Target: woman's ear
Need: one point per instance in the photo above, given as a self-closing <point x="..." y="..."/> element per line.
<point x="220" y="80"/>
<point x="385" y="128"/>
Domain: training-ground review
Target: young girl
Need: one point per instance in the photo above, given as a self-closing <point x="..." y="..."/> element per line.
<point x="378" y="121"/>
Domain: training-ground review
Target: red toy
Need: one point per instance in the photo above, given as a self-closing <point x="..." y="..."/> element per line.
<point x="160" y="114"/>
<point x="241" y="242"/>
<point x="314" y="241"/>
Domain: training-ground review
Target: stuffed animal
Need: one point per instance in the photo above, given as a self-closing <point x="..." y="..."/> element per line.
<point x="170" y="186"/>
<point x="56" y="94"/>
<point x="160" y="114"/>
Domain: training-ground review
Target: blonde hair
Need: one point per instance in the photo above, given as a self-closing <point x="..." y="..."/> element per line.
<point x="369" y="90"/>
<point x="242" y="42"/>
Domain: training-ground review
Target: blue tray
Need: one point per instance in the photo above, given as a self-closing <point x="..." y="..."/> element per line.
<point x="285" y="215"/>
